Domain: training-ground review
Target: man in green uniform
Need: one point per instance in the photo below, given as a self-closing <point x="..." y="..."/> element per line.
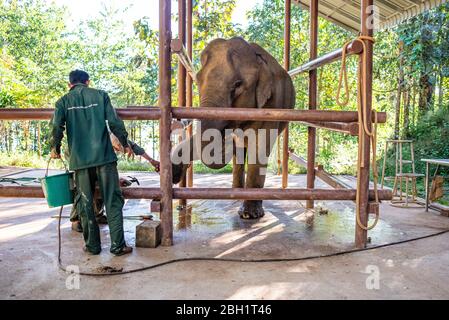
<point x="98" y="202"/>
<point x="83" y="112"/>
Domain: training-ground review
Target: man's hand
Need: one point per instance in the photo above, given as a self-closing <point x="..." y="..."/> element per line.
<point x="156" y="165"/>
<point x="128" y="152"/>
<point x="124" y="182"/>
<point x="54" y="154"/>
<point x="116" y="143"/>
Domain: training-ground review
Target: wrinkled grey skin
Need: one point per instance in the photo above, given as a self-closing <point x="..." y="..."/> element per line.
<point x="239" y="74"/>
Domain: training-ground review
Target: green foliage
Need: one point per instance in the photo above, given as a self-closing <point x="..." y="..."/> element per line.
<point x="431" y="137"/>
<point x="24" y="159"/>
<point x="426" y="55"/>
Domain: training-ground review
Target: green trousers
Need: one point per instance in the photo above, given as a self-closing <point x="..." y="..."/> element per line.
<point x="98" y="209"/>
<point x="108" y="181"/>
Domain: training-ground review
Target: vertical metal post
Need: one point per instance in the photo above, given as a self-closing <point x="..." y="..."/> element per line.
<point x="367" y="79"/>
<point x="182" y="77"/>
<point x="165" y="121"/>
<point x="189" y="86"/>
<point x="313" y="98"/>
<point x="287" y="25"/>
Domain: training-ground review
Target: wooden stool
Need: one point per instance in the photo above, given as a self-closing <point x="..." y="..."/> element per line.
<point x="409" y="178"/>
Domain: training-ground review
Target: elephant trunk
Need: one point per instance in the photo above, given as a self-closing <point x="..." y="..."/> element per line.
<point x="215" y="128"/>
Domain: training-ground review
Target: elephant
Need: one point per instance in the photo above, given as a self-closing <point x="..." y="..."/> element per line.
<point x="237" y="74"/>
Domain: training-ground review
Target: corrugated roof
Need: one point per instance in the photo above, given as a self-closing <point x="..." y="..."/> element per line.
<point x="346" y="13"/>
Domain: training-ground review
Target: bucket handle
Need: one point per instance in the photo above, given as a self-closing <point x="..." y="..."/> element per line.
<point x="48" y="165"/>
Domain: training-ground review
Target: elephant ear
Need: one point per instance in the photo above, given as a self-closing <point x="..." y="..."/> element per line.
<point x="264" y="88"/>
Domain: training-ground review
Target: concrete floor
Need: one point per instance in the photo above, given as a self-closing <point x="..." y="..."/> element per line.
<point x="28" y="252"/>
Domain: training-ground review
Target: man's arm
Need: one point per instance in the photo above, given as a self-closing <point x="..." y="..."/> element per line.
<point x="57" y="125"/>
<point x="139" y="151"/>
<point x="115" y="123"/>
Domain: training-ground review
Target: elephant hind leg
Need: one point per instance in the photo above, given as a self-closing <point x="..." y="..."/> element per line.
<point x="238" y="167"/>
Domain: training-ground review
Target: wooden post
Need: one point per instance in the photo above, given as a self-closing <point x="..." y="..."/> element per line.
<point x="287" y="25"/>
<point x="366" y="30"/>
<point x="313" y="98"/>
<point x="165" y="121"/>
<point x="182" y="77"/>
<point x="189" y="88"/>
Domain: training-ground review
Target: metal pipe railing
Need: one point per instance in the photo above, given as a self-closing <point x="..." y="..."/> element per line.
<point x="351" y="128"/>
<point x="165" y="121"/>
<point x="213" y="193"/>
<point x="321" y="173"/>
<point x="354" y="48"/>
<point x="242" y="114"/>
<point x="178" y="48"/>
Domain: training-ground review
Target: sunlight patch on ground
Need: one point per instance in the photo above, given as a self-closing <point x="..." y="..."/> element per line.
<point x="273" y="291"/>
<point x="241" y="233"/>
<point x="24" y="229"/>
<point x="275" y="229"/>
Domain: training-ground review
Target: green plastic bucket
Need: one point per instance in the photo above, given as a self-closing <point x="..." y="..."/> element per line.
<point x="58" y="189"/>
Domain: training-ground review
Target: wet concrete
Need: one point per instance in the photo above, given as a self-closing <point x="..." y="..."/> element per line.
<point x="28" y="251"/>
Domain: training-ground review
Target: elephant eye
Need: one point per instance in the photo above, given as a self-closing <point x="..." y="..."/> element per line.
<point x="238" y="83"/>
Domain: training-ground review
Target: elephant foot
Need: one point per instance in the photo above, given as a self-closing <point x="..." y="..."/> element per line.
<point x="251" y="210"/>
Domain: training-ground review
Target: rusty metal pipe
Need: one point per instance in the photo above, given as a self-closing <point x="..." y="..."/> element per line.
<point x="313" y="98"/>
<point x="213" y="193"/>
<point x="189" y="84"/>
<point x="182" y="94"/>
<point x="347" y="128"/>
<point x="154" y="113"/>
<point x="165" y="121"/>
<point x="287" y="36"/>
<point x="354" y="48"/>
<point x="183" y="56"/>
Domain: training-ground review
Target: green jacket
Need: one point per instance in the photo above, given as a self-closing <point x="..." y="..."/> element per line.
<point x="84" y="111"/>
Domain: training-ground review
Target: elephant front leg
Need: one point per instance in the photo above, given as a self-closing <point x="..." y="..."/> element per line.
<point x="257" y="167"/>
<point x="252" y="209"/>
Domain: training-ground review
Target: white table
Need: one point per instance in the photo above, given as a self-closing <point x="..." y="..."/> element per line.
<point x="438" y="163"/>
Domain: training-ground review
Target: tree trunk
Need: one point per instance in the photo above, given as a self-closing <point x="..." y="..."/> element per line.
<point x="413" y="103"/>
<point x="406" y="120"/>
<point x="425" y="94"/>
<point x="399" y="92"/>
<point x="441" y="90"/>
<point x="39" y="146"/>
<point x="26" y="134"/>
